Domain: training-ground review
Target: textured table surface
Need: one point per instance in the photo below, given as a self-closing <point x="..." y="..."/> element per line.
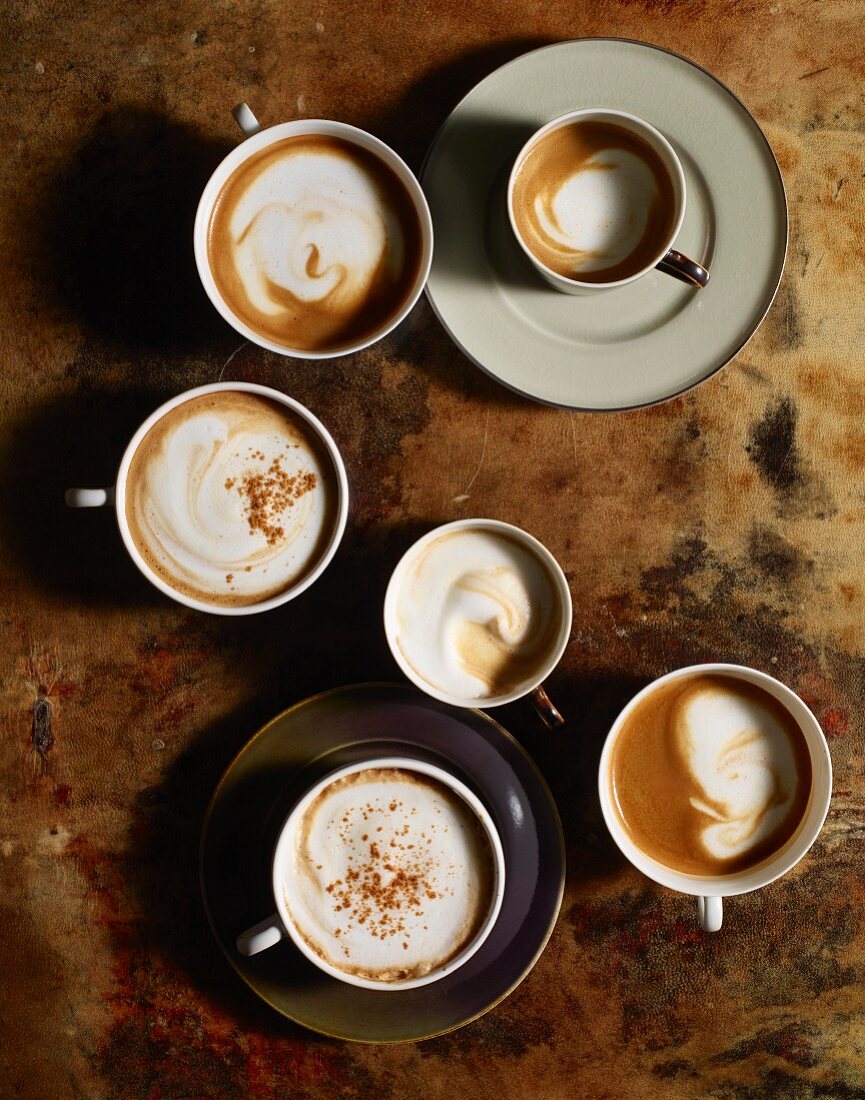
<point x="727" y="524"/>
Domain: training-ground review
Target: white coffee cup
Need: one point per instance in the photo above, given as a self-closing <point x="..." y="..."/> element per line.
<point x="116" y="496"/>
<point x="534" y="688"/>
<point x="258" y="139"/>
<point x="711" y="891"/>
<point x="270" y="931"/>
<point x="667" y="259"/>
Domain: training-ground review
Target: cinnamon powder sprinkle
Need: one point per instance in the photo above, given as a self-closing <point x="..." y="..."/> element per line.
<point x="268" y="494"/>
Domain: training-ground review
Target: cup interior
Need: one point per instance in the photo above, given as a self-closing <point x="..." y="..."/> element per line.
<point x="255" y="144"/>
<point x="790" y="853"/>
<point x="562" y="594"/>
<point x="642" y="129"/>
<point x="283" y="857"/>
<point x="340" y="513"/>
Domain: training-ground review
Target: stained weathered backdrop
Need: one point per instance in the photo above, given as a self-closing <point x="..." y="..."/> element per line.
<point x="726" y="524"/>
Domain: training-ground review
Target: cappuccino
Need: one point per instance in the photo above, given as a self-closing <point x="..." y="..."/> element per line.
<point x="710" y="775"/>
<point x="314" y="243"/>
<point x="231" y="498"/>
<point x="389" y="875"/>
<point x="477" y="614"/>
<point x="594" y="202"/>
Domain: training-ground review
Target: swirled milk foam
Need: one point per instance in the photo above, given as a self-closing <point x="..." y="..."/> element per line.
<point x="314" y="243"/>
<point x="231" y="498"/>
<point x="710" y="775"/>
<point x="593" y="202"/>
<point x="390" y="875"/>
<point x="477" y="614"/>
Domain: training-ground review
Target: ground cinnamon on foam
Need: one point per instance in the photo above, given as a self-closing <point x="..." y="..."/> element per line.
<point x="365" y="896"/>
<point x="269" y="494"/>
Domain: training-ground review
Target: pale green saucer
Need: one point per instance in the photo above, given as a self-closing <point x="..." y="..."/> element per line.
<point x="637" y="344"/>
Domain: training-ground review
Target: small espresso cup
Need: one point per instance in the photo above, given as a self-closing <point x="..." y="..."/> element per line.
<point x="116" y="496"/>
<point x="664" y="257"/>
<point x="710" y="891"/>
<point x="289" y="850"/>
<point x="258" y="139"/>
<point x="529" y="681"/>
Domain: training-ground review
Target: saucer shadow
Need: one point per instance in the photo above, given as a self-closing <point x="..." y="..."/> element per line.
<point x="116" y="250"/>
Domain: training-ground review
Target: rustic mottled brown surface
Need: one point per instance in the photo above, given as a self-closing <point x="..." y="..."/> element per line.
<point x="727" y="524"/>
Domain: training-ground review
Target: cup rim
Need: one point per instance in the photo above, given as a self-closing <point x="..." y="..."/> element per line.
<point x="339" y="524"/>
<point x="676" y="171"/>
<point x="459" y="788"/>
<point x="561" y="585"/>
<point x="265" y="136"/>
<point x="766" y="872"/>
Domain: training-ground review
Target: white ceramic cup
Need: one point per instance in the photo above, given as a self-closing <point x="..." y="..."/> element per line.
<point x="710" y="892"/>
<point x="276" y="927"/>
<point x="116" y="496"/>
<point x="258" y="139"/>
<point x="667" y="258"/>
<point x="534" y="688"/>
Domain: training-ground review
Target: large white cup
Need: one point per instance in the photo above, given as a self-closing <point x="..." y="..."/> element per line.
<point x="711" y="891"/>
<point x="272" y="929"/>
<point x="258" y="139"/>
<point x="116" y="496"/>
<point x="667" y="258"/>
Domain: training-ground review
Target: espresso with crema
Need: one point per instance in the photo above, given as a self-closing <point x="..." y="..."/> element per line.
<point x="231" y="498"/>
<point x="594" y="202"/>
<point x="390" y="875"/>
<point x="314" y="243"/>
<point x="477" y="614"/>
<point x="710" y="776"/>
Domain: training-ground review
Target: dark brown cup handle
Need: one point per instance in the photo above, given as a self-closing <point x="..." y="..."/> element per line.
<point x="546" y="708"/>
<point x="680" y="267"/>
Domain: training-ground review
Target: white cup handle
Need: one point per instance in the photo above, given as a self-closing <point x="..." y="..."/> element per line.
<point x="245" y="119"/>
<point x="261" y="936"/>
<point x="89" y="498"/>
<point x="711" y="911"/>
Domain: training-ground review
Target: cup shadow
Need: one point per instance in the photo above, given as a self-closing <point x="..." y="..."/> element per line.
<point x="115" y="253"/>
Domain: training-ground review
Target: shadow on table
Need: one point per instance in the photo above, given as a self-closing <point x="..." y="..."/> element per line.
<point x="116" y="222"/>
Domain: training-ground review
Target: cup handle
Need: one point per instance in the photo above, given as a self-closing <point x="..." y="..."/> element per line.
<point x="711" y="912"/>
<point x="261" y="936"/>
<point x="245" y="119"/>
<point x="89" y="498"/>
<point x="680" y="267"/>
<point x="546" y="708"/>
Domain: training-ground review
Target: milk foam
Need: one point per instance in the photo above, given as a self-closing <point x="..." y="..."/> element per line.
<point x="228" y="499"/>
<point x="740" y="758"/>
<point x="598" y="214"/>
<point x="475" y="614"/>
<point x="389" y="876"/>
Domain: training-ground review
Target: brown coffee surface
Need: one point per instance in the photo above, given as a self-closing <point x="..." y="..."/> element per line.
<point x="231" y="498"/>
<point x="666" y="801"/>
<point x="314" y="243"/>
<point x="553" y="161"/>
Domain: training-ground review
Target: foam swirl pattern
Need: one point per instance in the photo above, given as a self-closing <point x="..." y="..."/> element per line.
<point x="475" y="614"/>
<point x="742" y="768"/>
<point x="312" y="241"/>
<point x="229" y="498"/>
<point x="389" y="876"/>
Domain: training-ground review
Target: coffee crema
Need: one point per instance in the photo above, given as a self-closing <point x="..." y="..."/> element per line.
<point x="231" y="498"/>
<point x="594" y="202"/>
<point x="476" y="614"/>
<point x="391" y="875"/>
<point x="314" y="243"/>
<point x="710" y="775"/>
